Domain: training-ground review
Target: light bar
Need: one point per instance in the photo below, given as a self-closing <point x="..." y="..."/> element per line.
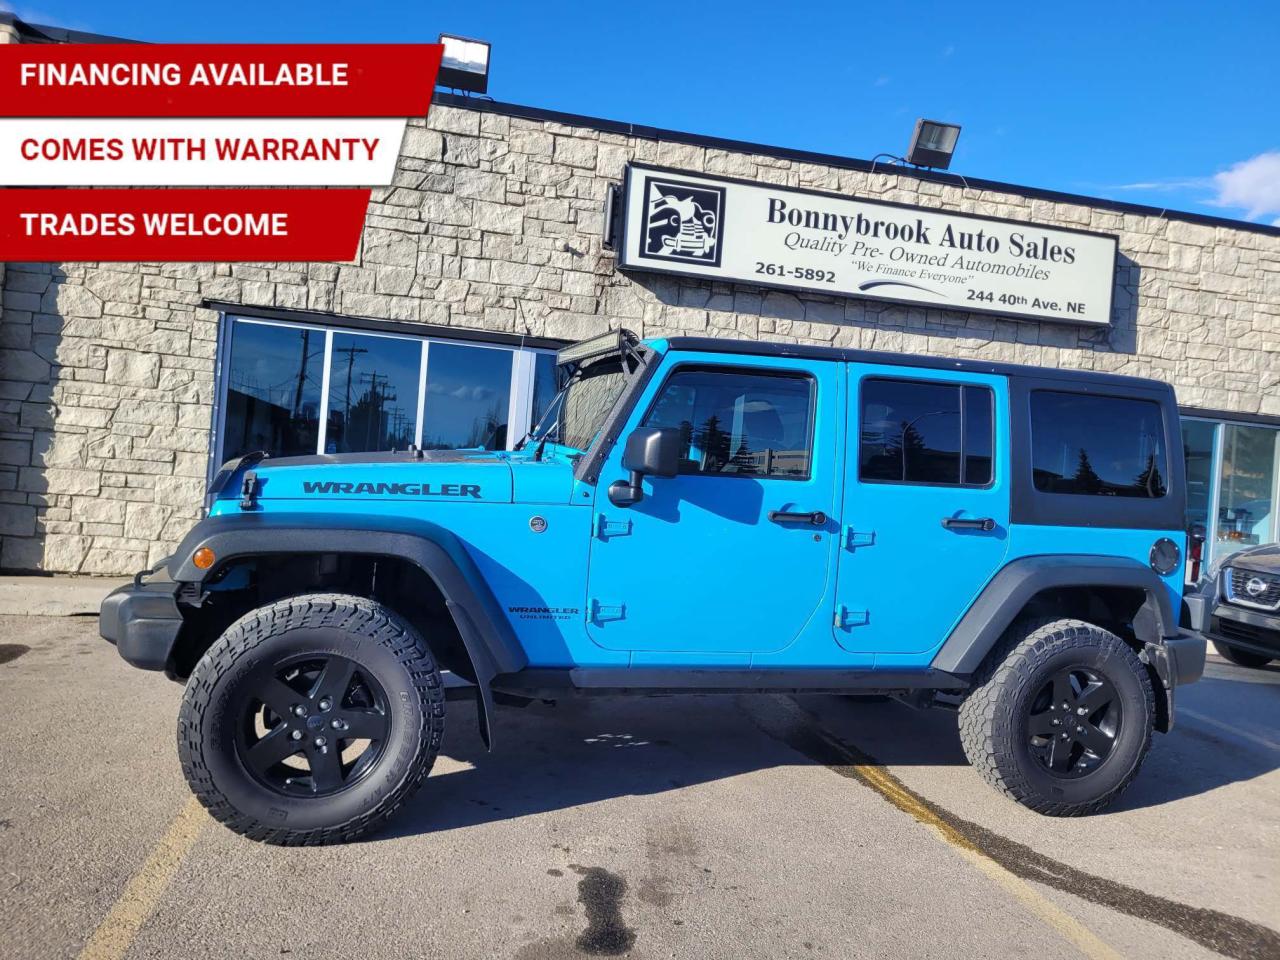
<point x="615" y="341"/>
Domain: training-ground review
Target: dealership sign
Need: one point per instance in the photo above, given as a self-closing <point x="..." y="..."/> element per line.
<point x="722" y="229"/>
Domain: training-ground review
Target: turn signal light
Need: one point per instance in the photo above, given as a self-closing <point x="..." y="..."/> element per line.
<point x="203" y="558"/>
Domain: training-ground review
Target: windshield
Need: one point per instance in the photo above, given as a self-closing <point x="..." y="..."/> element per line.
<point x="579" y="410"/>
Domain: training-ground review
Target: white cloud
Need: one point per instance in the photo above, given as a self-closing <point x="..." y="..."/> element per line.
<point x="1253" y="184"/>
<point x="881" y="81"/>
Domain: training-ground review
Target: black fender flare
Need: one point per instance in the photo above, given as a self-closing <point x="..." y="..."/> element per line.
<point x="1012" y="588"/>
<point x="486" y="634"/>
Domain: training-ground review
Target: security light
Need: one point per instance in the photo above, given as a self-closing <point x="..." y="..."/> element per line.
<point x="465" y="65"/>
<point x="932" y="144"/>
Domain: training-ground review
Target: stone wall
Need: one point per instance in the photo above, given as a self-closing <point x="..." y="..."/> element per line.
<point x="494" y="222"/>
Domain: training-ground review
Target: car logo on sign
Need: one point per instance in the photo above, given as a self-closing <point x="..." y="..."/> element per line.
<point x="683" y="222"/>
<point x="1255" y="587"/>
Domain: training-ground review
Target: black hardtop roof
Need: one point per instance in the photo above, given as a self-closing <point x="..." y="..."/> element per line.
<point x="801" y="351"/>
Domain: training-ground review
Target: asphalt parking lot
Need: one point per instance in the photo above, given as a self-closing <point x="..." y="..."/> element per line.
<point x="684" y="827"/>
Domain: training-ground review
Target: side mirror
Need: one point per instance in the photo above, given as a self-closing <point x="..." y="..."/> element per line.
<point x="651" y="451"/>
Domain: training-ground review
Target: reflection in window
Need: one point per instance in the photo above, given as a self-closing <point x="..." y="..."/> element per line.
<point x="1098" y="446"/>
<point x="737" y="423"/>
<point x="373" y="393"/>
<point x="545" y="384"/>
<point x="468" y="397"/>
<point x="912" y="432"/>
<point x="273" y="390"/>
<point x="1246" y="504"/>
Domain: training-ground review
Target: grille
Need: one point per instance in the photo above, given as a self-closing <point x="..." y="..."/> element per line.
<point x="1245" y="632"/>
<point x="1236" y="584"/>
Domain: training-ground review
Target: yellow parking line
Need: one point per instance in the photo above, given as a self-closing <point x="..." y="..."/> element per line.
<point x="1213" y="722"/>
<point x="1071" y="929"/>
<point x="116" y="933"/>
<point x="794" y="728"/>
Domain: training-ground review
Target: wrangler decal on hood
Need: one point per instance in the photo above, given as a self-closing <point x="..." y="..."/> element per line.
<point x="397" y="489"/>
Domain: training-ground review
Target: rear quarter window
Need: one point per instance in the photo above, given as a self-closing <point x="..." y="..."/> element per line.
<point x="1088" y="445"/>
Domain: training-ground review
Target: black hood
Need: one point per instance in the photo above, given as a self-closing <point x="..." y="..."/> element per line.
<point x="1264" y="559"/>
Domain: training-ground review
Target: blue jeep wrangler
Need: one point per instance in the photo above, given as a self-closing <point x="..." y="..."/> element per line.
<point x="691" y="515"/>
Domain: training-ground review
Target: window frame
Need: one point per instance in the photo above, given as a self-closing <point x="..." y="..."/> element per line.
<point x="748" y="370"/>
<point x="520" y="386"/>
<point x="961" y="386"/>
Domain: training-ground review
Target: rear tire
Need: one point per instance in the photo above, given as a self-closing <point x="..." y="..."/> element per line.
<point x="1239" y="657"/>
<point x="1059" y="760"/>
<point x="311" y="720"/>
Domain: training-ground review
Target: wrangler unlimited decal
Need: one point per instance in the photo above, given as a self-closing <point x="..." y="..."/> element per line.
<point x="396" y="489"/>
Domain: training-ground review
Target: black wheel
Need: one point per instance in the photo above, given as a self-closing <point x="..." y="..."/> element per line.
<point x="1060" y="717"/>
<point x="1239" y="657"/>
<point x="310" y="721"/>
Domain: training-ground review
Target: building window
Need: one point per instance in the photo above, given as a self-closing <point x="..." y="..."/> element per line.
<point x="1097" y="446"/>
<point x="292" y="389"/>
<point x="1233" y="489"/>
<point x="914" y="432"/>
<point x="273" y="385"/>
<point x="373" y="393"/>
<point x="1247" y="488"/>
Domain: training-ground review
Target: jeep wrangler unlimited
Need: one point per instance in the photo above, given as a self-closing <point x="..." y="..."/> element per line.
<point x="690" y="515"/>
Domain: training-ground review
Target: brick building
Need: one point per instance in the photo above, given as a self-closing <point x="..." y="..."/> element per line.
<point x="122" y="386"/>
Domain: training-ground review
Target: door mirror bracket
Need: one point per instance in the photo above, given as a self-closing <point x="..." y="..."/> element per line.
<point x="650" y="451"/>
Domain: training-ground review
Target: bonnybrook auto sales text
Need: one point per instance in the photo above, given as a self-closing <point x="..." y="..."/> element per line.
<point x="846" y="227"/>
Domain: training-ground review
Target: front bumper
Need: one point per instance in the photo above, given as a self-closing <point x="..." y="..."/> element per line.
<point x="1252" y="631"/>
<point x="143" y="621"/>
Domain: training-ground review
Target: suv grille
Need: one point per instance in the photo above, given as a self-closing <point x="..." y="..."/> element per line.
<point x="1245" y="633"/>
<point x="1236" y="584"/>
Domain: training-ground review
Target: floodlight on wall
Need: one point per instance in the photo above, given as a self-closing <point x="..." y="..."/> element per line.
<point x="465" y="64"/>
<point x="932" y="144"/>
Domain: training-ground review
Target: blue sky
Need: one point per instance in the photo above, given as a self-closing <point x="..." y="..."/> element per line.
<point x="1174" y="104"/>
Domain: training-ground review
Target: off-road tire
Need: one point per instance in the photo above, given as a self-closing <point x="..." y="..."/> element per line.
<point x="994" y="716"/>
<point x="1241" y="658"/>
<point x="380" y="642"/>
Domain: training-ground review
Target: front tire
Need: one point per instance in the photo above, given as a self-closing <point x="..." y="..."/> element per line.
<point x="1060" y="717"/>
<point x="311" y="720"/>
<point x="1240" y="657"/>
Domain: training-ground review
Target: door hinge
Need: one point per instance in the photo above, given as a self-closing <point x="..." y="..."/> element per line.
<point x="603" y="612"/>
<point x="853" y="539"/>
<point x="850" y="618"/>
<point x="606" y="528"/>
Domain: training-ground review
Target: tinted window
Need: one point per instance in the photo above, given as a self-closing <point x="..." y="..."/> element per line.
<point x="914" y="432"/>
<point x="273" y="390"/>
<point x="468" y="397"/>
<point x="545" y="384"/>
<point x="741" y="424"/>
<point x="1097" y="446"/>
<point x="373" y="393"/>
<point x="978" y="435"/>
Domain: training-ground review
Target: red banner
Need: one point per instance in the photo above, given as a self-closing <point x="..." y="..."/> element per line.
<point x="217" y="80"/>
<point x="181" y="225"/>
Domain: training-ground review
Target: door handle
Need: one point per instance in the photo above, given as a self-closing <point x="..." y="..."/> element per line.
<point x="985" y="524"/>
<point x="816" y="517"/>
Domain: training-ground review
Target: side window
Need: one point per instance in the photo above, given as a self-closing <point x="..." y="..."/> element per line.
<point x="738" y="424"/>
<point x="925" y="433"/>
<point x="1097" y="446"/>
